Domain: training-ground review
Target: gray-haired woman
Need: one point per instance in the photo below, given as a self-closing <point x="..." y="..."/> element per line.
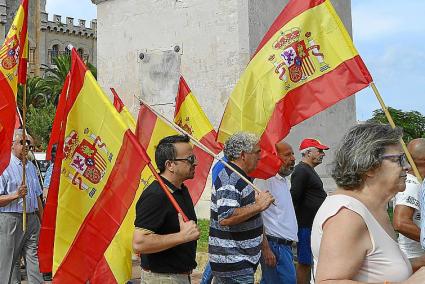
<point x="352" y="238"/>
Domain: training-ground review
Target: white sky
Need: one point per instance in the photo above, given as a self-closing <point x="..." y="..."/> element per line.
<point x="387" y="33"/>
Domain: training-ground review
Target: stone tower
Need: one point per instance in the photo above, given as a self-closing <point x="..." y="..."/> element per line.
<point x="214" y="41"/>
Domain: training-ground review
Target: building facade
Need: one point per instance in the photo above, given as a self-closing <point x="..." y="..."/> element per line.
<point x="55" y="35"/>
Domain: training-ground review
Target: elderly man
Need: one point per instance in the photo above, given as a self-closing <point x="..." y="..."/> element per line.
<point x="407" y="215"/>
<point x="166" y="243"/>
<point x="236" y="227"/>
<point x="14" y="242"/>
<point x="307" y="196"/>
<point x="280" y="223"/>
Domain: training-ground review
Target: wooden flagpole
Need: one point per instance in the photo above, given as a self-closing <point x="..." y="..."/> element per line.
<point x="391" y="122"/>
<point x="24" y="157"/>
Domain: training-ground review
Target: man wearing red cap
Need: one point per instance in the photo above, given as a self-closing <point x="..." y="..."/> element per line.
<point x="307" y="196"/>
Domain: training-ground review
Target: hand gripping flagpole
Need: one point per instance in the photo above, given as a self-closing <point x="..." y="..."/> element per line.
<point x="391" y="122"/>
<point x="200" y="145"/>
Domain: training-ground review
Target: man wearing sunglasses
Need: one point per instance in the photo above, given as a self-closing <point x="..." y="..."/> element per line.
<point x="14" y="241"/>
<point x="166" y="243"/>
<point x="407" y="215"/>
<point x="307" y="196"/>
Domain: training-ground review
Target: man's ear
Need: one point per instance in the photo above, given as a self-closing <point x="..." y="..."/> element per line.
<point x="169" y="165"/>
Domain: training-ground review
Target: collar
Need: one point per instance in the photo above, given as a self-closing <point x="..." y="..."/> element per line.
<point x="171" y="187"/>
<point x="239" y="170"/>
<point x="279" y="177"/>
<point x="15" y="160"/>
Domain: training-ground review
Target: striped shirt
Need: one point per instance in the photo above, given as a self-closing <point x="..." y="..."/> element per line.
<point x="236" y="249"/>
<point x="10" y="181"/>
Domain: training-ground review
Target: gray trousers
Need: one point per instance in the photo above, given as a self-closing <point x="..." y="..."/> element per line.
<point x="14" y="243"/>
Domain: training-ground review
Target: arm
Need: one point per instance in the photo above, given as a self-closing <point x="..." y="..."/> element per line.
<point x="40" y="209"/>
<point x="342" y="252"/>
<point x="6" y="199"/>
<point x="241" y="214"/>
<point x="145" y="241"/>
<point x="403" y="222"/>
<point x="298" y="180"/>
<point x="267" y="253"/>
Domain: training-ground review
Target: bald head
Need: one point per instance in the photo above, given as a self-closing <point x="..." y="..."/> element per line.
<point x="416" y="148"/>
<point x="286" y="155"/>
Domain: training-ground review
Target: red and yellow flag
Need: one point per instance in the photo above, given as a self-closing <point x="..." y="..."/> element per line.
<point x="11" y="73"/>
<point x="95" y="179"/>
<point x="305" y="63"/>
<point x="189" y="116"/>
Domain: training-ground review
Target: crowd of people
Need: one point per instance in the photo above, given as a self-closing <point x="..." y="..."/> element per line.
<point x="344" y="237"/>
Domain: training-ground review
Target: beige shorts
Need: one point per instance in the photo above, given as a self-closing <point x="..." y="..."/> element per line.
<point x="149" y="277"/>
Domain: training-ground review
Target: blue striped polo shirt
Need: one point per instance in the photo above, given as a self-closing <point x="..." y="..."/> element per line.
<point x="233" y="250"/>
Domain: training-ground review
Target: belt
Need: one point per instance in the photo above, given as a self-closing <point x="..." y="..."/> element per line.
<point x="279" y="240"/>
<point x="182" y="273"/>
<point x="19" y="213"/>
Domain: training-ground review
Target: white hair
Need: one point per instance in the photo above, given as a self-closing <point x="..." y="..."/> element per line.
<point x="308" y="149"/>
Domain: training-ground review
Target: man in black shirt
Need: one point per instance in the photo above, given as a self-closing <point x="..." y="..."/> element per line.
<point x="307" y="196"/>
<point x="166" y="243"/>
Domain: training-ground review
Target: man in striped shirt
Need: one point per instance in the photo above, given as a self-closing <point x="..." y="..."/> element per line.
<point x="236" y="227"/>
<point x="13" y="240"/>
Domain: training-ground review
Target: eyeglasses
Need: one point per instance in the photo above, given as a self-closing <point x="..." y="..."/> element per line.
<point x="191" y="159"/>
<point x="401" y="159"/>
<point x="28" y="143"/>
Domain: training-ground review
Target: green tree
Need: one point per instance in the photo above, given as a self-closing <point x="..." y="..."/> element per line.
<point x="412" y="122"/>
<point x="36" y="93"/>
<point x="39" y="123"/>
<point x="56" y="74"/>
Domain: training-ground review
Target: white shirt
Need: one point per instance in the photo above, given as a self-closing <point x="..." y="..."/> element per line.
<point x="280" y="220"/>
<point x="410" y="197"/>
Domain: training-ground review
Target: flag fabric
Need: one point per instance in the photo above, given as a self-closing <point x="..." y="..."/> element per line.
<point x="58" y="120"/>
<point x="190" y="117"/>
<point x="95" y="178"/>
<point x="305" y="63"/>
<point x="11" y="64"/>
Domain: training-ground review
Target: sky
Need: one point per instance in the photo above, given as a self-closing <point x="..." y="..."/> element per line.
<point x="388" y="34"/>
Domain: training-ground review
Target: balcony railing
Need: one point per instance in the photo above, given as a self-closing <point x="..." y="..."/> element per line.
<point x="51" y="54"/>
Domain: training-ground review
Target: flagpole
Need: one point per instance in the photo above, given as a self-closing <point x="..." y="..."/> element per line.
<point x="391" y="122"/>
<point x="24" y="157"/>
<point x="199" y="144"/>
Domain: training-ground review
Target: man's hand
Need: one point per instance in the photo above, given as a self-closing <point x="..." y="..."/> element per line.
<point x="269" y="257"/>
<point x="45" y="192"/>
<point x="263" y="200"/>
<point x="22" y="191"/>
<point x="189" y="231"/>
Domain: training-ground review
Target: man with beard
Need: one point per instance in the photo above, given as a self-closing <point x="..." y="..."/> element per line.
<point x="166" y="243"/>
<point x="307" y="196"/>
<point x="280" y="223"/>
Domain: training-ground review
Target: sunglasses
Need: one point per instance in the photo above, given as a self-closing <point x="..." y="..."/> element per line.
<point x="28" y="143"/>
<point x="401" y="159"/>
<point x="191" y="159"/>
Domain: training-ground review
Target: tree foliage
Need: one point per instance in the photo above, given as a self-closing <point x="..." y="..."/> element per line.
<point x="412" y="122"/>
<point x="39" y="123"/>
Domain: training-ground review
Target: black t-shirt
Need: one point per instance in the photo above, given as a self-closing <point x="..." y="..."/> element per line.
<point x="307" y="194"/>
<point x="155" y="212"/>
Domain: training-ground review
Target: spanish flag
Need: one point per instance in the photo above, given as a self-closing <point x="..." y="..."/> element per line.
<point x="12" y="71"/>
<point x="95" y="179"/>
<point x="305" y="63"/>
<point x="189" y="116"/>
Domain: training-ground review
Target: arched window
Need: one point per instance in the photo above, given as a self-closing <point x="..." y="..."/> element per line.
<point x="81" y="52"/>
<point x="54" y="53"/>
<point x="67" y="51"/>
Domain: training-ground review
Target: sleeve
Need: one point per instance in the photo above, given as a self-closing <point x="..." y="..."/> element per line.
<point x="228" y="199"/>
<point x="298" y="180"/>
<point x="3" y="185"/>
<point x="48" y="176"/>
<point x="410" y="196"/>
<point x="150" y="212"/>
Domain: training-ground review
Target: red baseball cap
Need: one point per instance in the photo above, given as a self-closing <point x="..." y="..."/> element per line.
<point x="310" y="142"/>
